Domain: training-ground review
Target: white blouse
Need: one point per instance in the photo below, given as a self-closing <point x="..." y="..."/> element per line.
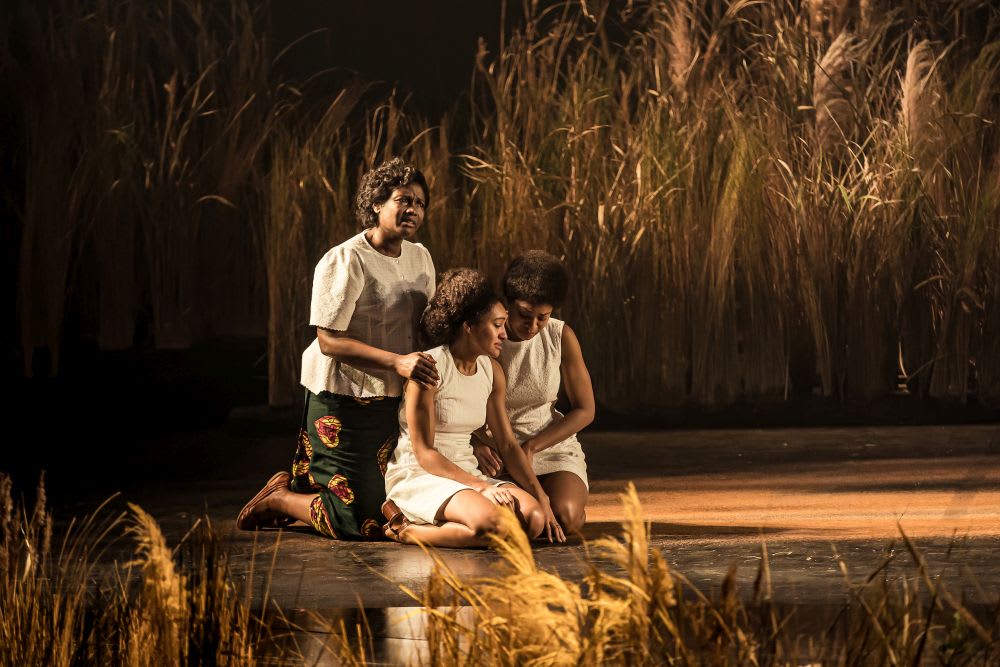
<point x="370" y="297"/>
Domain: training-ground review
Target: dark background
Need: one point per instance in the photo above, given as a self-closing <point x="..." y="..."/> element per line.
<point x="425" y="49"/>
<point x="101" y="415"/>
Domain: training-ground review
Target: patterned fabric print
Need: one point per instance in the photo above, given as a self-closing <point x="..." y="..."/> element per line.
<point x="371" y="530"/>
<point x="300" y="467"/>
<point x="338" y="484"/>
<point x="313" y="483"/>
<point x="303" y="452"/>
<point x="305" y="443"/>
<point x="328" y="430"/>
<point x="343" y="437"/>
<point x="385" y="453"/>
<point x="319" y="519"/>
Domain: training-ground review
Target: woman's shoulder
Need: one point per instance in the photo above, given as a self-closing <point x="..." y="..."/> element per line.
<point x="345" y="252"/>
<point x="338" y="264"/>
<point x="554" y="330"/>
<point x="439" y="353"/>
<point x="416" y="246"/>
<point x="418" y="250"/>
<point x="488" y="364"/>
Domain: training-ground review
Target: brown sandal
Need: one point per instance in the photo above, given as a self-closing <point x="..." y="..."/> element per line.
<point x="397" y="521"/>
<point x="246" y="520"/>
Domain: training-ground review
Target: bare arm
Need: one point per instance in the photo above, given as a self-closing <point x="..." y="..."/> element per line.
<point x="514" y="458"/>
<point x="504" y="439"/>
<point x="418" y="366"/>
<point x="420" y="421"/>
<point x="579" y="390"/>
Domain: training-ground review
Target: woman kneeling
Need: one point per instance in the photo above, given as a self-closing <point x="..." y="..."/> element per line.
<point x="436" y="493"/>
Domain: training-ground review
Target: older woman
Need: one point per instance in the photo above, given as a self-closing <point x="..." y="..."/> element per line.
<point x="540" y="353"/>
<point x="436" y="495"/>
<point x="368" y="294"/>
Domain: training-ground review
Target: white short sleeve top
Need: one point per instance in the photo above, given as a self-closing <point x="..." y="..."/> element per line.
<point x="370" y="297"/>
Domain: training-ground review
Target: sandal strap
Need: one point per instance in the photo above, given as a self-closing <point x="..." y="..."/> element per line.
<point x="398" y="523"/>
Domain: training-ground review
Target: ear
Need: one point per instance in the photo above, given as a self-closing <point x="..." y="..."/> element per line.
<point x="467" y="327"/>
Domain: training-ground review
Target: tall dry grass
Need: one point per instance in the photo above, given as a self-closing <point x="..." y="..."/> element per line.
<point x="309" y="209"/>
<point x="43" y="584"/>
<point x="65" y="600"/>
<point x="731" y="177"/>
<point x="143" y="128"/>
<point x="634" y="609"/>
<point x="72" y="599"/>
<point x="755" y="199"/>
<point x="622" y="159"/>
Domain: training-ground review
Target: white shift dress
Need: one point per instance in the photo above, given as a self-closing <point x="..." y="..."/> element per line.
<point x="460" y="409"/>
<point x="533" y="370"/>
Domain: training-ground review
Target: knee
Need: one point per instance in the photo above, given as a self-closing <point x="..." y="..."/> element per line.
<point x="534" y="522"/>
<point x="486" y="522"/>
<point x="570" y="515"/>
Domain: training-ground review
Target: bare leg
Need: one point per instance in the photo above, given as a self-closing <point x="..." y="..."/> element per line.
<point x="528" y="511"/>
<point x="295" y="505"/>
<point x="275" y="506"/>
<point x="469" y="520"/>
<point x="568" y="495"/>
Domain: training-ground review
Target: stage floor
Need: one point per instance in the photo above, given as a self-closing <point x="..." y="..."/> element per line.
<point x="713" y="497"/>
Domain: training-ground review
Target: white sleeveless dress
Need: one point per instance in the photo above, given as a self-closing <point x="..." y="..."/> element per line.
<point x="460" y="409"/>
<point x="533" y="375"/>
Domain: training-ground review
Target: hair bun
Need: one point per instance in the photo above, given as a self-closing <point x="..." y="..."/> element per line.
<point x="462" y="295"/>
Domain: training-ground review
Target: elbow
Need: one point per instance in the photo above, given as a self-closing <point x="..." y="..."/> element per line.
<point x="325" y="347"/>
<point x="586" y="416"/>
<point x="423" y="458"/>
<point x="328" y="344"/>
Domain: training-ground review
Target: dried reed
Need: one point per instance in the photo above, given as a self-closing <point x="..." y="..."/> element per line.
<point x="59" y="606"/>
<point x="644" y="613"/>
<point x="748" y="202"/>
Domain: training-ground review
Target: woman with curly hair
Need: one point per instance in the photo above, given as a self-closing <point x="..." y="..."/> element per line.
<point x="367" y="297"/>
<point x="435" y="493"/>
<point x="540" y="353"/>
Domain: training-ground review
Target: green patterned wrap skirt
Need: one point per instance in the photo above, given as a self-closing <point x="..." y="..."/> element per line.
<point x="344" y="446"/>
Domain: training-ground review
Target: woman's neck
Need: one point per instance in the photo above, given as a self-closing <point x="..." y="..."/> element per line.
<point x="383" y="243"/>
<point x="511" y="336"/>
<point x="464" y="355"/>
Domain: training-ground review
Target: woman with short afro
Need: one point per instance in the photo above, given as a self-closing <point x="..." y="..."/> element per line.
<point x="435" y="493"/>
<point x="540" y="354"/>
<point x="367" y="297"/>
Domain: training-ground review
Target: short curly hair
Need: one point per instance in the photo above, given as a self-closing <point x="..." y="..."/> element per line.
<point x="536" y="277"/>
<point x="377" y="185"/>
<point x="462" y="295"/>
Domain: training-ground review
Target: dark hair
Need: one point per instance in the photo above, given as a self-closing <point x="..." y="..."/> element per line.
<point x="377" y="185"/>
<point x="536" y="277"/>
<point x="462" y="295"/>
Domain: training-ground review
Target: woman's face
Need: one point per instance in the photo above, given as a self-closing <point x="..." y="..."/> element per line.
<point x="488" y="334"/>
<point x="527" y="319"/>
<point x="401" y="215"/>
